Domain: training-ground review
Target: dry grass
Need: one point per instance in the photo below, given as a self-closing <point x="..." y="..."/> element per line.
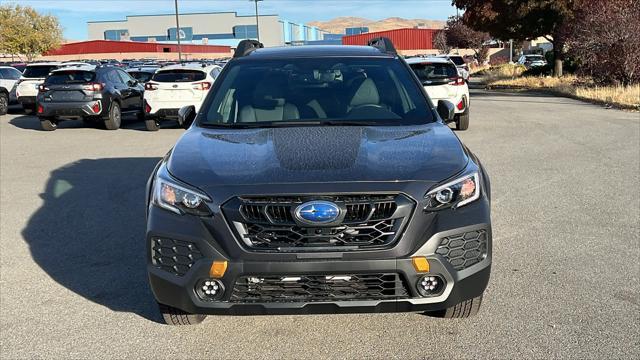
<point x="477" y="70"/>
<point x="626" y="97"/>
<point x="503" y="72"/>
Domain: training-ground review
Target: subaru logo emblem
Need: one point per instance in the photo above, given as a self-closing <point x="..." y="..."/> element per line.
<point x="317" y="212"/>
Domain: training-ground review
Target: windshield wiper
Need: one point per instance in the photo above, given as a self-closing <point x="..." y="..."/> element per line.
<point x="350" y="123"/>
<point x="276" y="124"/>
<point x="257" y="125"/>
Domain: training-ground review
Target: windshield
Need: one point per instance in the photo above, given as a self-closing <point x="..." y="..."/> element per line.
<point x="434" y="71"/>
<point x="179" y="75"/>
<point x="9" y="74"/>
<point x="38" y="71"/>
<point x="321" y="91"/>
<point x="70" y="77"/>
<point x="141" y="76"/>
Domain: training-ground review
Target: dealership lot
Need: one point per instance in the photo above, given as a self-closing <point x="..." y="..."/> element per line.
<point x="566" y="231"/>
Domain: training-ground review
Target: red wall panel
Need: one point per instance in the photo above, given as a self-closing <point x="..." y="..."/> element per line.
<point x="106" y="46"/>
<point x="403" y="39"/>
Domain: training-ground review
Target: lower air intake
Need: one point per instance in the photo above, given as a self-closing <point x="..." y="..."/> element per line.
<point x="306" y="288"/>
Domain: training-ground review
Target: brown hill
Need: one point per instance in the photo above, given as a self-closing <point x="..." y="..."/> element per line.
<point x="337" y="25"/>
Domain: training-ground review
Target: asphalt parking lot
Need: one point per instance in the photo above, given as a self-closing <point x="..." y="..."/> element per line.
<point x="565" y="280"/>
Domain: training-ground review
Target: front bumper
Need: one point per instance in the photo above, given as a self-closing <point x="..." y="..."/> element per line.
<point x="423" y="237"/>
<point x="460" y="286"/>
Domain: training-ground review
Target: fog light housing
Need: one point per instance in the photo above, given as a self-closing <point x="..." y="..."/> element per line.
<point x="430" y="285"/>
<point x="209" y="289"/>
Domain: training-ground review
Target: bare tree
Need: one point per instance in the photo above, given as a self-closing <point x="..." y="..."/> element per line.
<point x="440" y="41"/>
<point x="460" y="35"/>
<point x="605" y="40"/>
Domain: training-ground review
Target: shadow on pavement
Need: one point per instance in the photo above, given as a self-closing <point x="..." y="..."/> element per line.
<point x="88" y="235"/>
<point x="30" y="122"/>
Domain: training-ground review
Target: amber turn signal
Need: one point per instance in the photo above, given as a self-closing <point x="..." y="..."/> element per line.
<point x="421" y="264"/>
<point x="218" y="269"/>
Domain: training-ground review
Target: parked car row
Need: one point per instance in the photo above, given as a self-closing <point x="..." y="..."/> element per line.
<point x="100" y="93"/>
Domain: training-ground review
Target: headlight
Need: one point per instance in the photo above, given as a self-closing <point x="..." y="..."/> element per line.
<point x="455" y="193"/>
<point x="177" y="198"/>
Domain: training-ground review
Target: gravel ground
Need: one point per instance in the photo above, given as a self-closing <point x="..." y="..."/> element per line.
<point x="565" y="281"/>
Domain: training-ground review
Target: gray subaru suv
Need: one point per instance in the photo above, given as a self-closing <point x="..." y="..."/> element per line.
<point x="318" y="180"/>
<point x="99" y="95"/>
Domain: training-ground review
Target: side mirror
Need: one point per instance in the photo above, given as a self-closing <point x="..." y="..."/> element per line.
<point x="186" y="115"/>
<point x="446" y="110"/>
<point x="132" y="82"/>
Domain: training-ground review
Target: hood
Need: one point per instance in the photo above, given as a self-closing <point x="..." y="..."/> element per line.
<point x="213" y="157"/>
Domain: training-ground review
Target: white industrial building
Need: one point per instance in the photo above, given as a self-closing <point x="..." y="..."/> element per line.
<point x="219" y="28"/>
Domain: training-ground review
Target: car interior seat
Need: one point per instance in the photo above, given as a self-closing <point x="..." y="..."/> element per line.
<point x="268" y="103"/>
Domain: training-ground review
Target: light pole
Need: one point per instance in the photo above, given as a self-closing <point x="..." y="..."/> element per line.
<point x="257" y="21"/>
<point x="178" y="33"/>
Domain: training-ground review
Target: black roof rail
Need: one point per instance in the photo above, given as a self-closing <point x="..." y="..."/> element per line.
<point x="383" y="44"/>
<point x="245" y="47"/>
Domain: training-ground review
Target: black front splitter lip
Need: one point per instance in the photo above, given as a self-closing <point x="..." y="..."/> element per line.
<point x="467" y="288"/>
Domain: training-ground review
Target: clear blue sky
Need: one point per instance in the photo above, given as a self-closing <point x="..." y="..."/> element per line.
<point x="74" y="14"/>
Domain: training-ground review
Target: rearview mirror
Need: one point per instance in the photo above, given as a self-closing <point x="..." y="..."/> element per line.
<point x="446" y="110"/>
<point x="186" y="115"/>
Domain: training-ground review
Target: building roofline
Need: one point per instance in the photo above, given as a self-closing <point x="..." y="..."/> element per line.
<point x="192" y="13"/>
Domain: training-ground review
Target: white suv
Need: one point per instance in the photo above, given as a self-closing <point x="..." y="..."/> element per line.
<point x="463" y="67"/>
<point x="443" y="81"/>
<point x="27" y="89"/>
<point x="8" y="79"/>
<point x="175" y="86"/>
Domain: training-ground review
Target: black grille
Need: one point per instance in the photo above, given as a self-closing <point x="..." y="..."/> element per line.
<point x="268" y="223"/>
<point x="374" y="233"/>
<point x="292" y="288"/>
<point x="464" y="250"/>
<point x="174" y="256"/>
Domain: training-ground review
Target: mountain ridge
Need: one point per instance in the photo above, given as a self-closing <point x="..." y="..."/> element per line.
<point x="339" y="24"/>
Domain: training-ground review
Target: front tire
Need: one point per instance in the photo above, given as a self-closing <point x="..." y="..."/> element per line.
<point x="48" y="124"/>
<point x="177" y="317"/>
<point x="115" y="117"/>
<point x="461" y="310"/>
<point x="4" y="103"/>
<point x="462" y="120"/>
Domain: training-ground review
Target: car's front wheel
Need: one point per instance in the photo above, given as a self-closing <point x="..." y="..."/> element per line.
<point x="48" y="123"/>
<point x="4" y="103"/>
<point x="462" y="120"/>
<point x="173" y="316"/>
<point x="115" y="117"/>
<point x="464" y="309"/>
